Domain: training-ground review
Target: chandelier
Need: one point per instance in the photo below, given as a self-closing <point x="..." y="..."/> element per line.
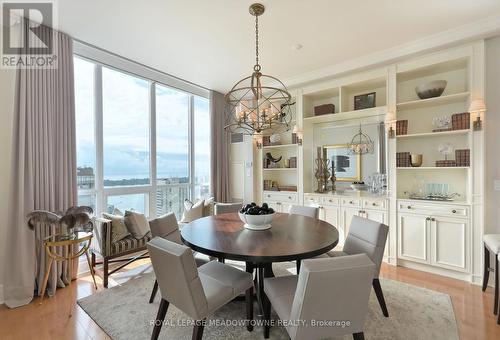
<point x="258" y="104"/>
<point x="361" y="143"/>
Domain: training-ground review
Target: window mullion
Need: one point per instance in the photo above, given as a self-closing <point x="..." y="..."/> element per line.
<point x="100" y="199"/>
<point x="152" y="147"/>
<point x="191" y="146"/>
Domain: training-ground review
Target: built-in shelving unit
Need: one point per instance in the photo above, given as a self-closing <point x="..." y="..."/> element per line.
<point x="441" y="100"/>
<point x="432" y="168"/>
<point x="279" y="146"/>
<point x="435" y="134"/>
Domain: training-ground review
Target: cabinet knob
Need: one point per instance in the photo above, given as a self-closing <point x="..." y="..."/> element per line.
<point x="330" y="201"/>
<point x="409" y="207"/>
<point x="374" y="204"/>
<point x="351" y="202"/>
<point x="289" y="197"/>
<point x="268" y="195"/>
<point x="433" y="219"/>
<point x="454" y="211"/>
<point x="427" y="218"/>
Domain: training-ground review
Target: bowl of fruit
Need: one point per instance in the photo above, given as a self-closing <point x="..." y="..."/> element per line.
<point x="255" y="217"/>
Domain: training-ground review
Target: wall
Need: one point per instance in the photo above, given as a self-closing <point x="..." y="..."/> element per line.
<point x="7" y="81"/>
<point x="492" y="128"/>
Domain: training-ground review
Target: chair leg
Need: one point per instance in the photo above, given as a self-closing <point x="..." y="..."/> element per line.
<point x="198" y="329"/>
<point x="162" y="311"/>
<point x="249" y="303"/>
<point x="495" y="308"/>
<point x="92" y="259"/>
<point x="105" y="269"/>
<point x="380" y="296"/>
<point x="266" y="304"/>
<point x="298" y="266"/>
<point x="486" y="271"/>
<point x="221" y="260"/>
<point x="153" y="292"/>
<point x="358" y="336"/>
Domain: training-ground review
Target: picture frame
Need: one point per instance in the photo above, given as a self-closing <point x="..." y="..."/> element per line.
<point x="347" y="166"/>
<point x="365" y="101"/>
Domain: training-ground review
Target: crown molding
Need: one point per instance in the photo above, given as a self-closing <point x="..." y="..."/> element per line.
<point x="481" y="29"/>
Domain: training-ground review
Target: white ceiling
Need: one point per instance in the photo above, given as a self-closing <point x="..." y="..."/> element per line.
<point x="211" y="42"/>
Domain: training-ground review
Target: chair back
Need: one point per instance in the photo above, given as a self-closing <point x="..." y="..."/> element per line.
<point x="335" y="290"/>
<point x="368" y="237"/>
<point x="304" y="211"/>
<point x="166" y="227"/>
<point x="224" y="208"/>
<point x="177" y="277"/>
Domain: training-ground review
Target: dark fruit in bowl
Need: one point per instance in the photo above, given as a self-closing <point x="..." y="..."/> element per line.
<point x="254" y="209"/>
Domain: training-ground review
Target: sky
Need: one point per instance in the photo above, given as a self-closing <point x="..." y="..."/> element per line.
<point x="126" y="126"/>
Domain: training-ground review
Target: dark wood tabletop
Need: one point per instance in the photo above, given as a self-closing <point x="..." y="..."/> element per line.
<point x="291" y="237"/>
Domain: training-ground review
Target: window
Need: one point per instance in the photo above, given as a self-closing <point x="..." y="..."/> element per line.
<point x="141" y="145"/>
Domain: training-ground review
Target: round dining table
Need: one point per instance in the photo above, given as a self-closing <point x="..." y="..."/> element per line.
<point x="290" y="238"/>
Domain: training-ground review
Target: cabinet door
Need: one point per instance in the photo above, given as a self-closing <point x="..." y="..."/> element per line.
<point x="413" y="237"/>
<point x="381" y="217"/>
<point x="347" y="215"/>
<point x="285" y="207"/>
<point x="449" y="243"/>
<point x="332" y="216"/>
<point x="275" y="205"/>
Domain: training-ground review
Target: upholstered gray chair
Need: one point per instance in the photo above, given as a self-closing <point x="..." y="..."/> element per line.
<point x="167" y="227"/>
<point x="224" y="208"/>
<point x="304" y="211"/>
<point x="196" y="292"/>
<point x="367" y="237"/>
<point x="333" y="289"/>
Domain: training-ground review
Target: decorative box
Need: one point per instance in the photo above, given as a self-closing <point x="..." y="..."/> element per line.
<point x="462" y="157"/>
<point x="460" y="121"/>
<point x="324" y="109"/>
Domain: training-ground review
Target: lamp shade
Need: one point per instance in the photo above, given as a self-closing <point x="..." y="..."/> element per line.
<point x="477" y="105"/>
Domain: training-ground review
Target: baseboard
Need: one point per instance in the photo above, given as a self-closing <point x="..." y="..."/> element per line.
<point x="1" y="295"/>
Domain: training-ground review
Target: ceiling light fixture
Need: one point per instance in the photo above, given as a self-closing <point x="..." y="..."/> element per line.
<point x="258" y="104"/>
<point x="361" y="143"/>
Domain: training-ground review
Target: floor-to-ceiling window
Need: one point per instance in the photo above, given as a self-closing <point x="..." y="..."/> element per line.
<point x="141" y="145"/>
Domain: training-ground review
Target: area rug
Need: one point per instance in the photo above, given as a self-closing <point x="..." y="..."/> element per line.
<point x="123" y="312"/>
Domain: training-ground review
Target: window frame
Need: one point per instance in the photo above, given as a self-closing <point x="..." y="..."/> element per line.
<point x="100" y="192"/>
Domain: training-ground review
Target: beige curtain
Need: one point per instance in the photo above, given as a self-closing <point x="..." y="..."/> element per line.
<point x="219" y="151"/>
<point x="43" y="168"/>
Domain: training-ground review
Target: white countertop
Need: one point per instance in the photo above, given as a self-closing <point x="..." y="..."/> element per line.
<point x="349" y="193"/>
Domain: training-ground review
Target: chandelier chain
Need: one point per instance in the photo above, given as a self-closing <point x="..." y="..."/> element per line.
<point x="257" y="66"/>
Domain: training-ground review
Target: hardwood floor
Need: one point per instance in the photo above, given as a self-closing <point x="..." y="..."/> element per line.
<point x="473" y="308"/>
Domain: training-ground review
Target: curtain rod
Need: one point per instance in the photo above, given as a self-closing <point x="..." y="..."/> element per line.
<point x="138" y="63"/>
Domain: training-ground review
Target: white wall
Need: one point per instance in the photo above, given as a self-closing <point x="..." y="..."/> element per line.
<point x="7" y="82"/>
<point x="492" y="130"/>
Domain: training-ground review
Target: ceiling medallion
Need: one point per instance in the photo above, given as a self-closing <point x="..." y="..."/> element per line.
<point x="258" y="104"/>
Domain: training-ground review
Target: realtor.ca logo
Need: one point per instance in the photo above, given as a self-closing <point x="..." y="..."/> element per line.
<point x="27" y="35"/>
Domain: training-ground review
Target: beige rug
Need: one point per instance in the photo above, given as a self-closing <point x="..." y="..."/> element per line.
<point x="123" y="312"/>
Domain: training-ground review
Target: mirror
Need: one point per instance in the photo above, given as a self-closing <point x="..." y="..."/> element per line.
<point x="334" y="139"/>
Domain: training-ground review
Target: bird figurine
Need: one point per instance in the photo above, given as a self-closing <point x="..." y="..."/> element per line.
<point x="272" y="159"/>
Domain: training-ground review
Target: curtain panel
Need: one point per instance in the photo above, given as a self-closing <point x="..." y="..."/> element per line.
<point x="43" y="170"/>
<point x="219" y="151"/>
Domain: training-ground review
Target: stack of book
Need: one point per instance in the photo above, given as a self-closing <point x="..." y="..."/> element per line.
<point x="287" y="188"/>
<point x="403" y="159"/>
<point x="401" y="127"/>
<point x="293" y="162"/>
<point x="446" y="163"/>
<point x="462" y="157"/>
<point x="460" y="121"/>
<point x="295" y="139"/>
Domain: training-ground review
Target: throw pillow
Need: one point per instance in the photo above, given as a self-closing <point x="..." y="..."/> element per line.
<point x="137" y="224"/>
<point x="192" y="211"/>
<point x="208" y="207"/>
<point x="118" y="228"/>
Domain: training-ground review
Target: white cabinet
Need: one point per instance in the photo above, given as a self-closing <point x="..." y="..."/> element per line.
<point x="413" y="237"/>
<point x="280" y="201"/>
<point x="331" y="214"/>
<point x="347" y="215"/>
<point x="435" y="239"/>
<point x="449" y="243"/>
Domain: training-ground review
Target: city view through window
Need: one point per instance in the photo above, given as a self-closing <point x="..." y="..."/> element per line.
<point x="181" y="137"/>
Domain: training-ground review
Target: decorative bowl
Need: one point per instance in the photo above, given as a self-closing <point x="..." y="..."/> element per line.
<point x="416" y="160"/>
<point x="431" y="89"/>
<point x="256" y="222"/>
<point x="359" y="187"/>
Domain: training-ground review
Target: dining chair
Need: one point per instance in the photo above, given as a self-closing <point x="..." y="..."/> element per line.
<point x="330" y="289"/>
<point x="491" y="244"/>
<point x="198" y="292"/>
<point x="224" y="208"/>
<point x="367" y="237"/>
<point x="167" y="227"/>
<point x="304" y="211"/>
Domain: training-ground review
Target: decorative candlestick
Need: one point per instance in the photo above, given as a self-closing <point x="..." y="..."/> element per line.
<point x="333" y="178"/>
